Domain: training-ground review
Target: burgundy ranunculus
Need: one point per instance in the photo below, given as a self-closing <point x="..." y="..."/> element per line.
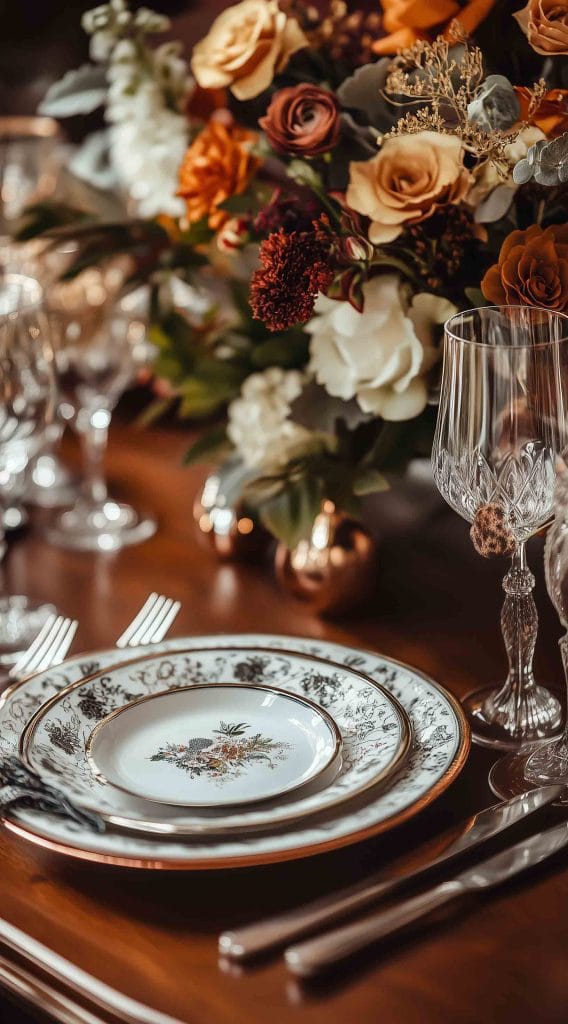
<point x="302" y="119"/>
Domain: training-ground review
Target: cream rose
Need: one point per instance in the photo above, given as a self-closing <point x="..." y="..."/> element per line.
<point x="378" y="356"/>
<point x="246" y="46"/>
<point x="408" y="179"/>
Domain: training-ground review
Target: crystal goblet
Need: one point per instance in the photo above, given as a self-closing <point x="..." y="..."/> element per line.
<point x="27" y="402"/>
<point x="502" y="423"/>
<point x="99" y="352"/>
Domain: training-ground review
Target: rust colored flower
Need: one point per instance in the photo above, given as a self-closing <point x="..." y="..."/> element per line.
<point x="217" y="165"/>
<point x="545" y="24"/>
<point x="303" y="120"/>
<point x="406" y="21"/>
<point x="407" y="181"/>
<point x="551" y="115"/>
<point x="295" y="269"/>
<point x="532" y="269"/>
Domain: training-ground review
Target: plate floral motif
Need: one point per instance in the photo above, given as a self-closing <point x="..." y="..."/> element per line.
<point x="440" y="749"/>
<point x="226" y="756"/>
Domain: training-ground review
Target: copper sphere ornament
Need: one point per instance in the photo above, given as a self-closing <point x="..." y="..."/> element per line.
<point x="228" y="529"/>
<point x="334" y="569"/>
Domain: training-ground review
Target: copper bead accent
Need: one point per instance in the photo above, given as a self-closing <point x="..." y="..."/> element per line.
<point x="334" y="569"/>
<point x="230" y="531"/>
<point x="490" y="533"/>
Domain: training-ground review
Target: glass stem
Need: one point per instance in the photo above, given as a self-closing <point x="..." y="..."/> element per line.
<point x="94" y="439"/>
<point x="519" y="623"/>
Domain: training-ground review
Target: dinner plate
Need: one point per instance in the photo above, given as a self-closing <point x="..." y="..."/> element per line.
<point x="374" y="728"/>
<point x="215" y="745"/>
<point x="441" y="742"/>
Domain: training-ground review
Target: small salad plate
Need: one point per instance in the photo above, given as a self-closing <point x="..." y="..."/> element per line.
<point x="216" y="745"/>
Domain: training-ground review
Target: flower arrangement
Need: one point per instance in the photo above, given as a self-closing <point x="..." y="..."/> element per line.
<point x="311" y="203"/>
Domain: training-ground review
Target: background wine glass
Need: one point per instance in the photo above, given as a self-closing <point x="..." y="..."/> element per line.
<point x="27" y="402"/>
<point x="100" y="349"/>
<point x="502" y="422"/>
<point x="28" y="173"/>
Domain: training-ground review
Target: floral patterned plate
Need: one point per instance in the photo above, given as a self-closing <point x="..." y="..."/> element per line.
<point x="441" y="742"/>
<point x="216" y="746"/>
<point x="373" y="726"/>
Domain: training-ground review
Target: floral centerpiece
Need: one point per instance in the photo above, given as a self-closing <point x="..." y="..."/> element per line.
<point x="310" y="204"/>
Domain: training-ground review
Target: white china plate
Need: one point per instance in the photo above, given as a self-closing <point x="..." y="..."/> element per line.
<point x="374" y="728"/>
<point x="215" y="745"/>
<point x="439" y="752"/>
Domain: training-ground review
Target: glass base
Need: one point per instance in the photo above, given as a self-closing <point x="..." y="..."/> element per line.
<point x="50" y="484"/>
<point x="20" y="621"/>
<point x="491" y="726"/>
<point x="109" y="526"/>
<point x="529" y="769"/>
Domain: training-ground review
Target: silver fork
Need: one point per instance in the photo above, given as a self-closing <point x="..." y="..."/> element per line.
<point x="151" y="623"/>
<point x="49" y="647"/>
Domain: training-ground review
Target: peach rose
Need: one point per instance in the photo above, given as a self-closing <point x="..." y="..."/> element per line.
<point x="406" y="21"/>
<point x="218" y="164"/>
<point x="532" y="269"/>
<point x="246" y="46"/>
<point x="551" y="115"/>
<point x="545" y="24"/>
<point x="409" y="178"/>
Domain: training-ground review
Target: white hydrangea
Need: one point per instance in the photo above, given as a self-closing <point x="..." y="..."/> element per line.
<point x="147" y="94"/>
<point x="259" y="420"/>
<point x="379" y="356"/>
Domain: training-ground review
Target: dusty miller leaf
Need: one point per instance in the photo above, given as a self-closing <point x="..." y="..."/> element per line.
<point x="79" y="92"/>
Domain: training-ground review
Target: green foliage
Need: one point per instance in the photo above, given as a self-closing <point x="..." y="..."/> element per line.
<point x="43" y="217"/>
<point x="210" y="445"/>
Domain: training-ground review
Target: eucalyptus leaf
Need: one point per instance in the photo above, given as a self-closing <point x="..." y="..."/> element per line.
<point x="496" y="205"/>
<point x="290" y="514"/>
<point x="363" y="92"/>
<point x="369" y="481"/>
<point x="79" y="92"/>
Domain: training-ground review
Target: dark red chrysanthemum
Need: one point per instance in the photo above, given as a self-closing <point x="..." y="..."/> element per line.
<point x="295" y="268"/>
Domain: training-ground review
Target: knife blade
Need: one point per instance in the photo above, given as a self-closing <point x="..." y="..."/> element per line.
<point x="273" y="932"/>
<point x="319" y="954"/>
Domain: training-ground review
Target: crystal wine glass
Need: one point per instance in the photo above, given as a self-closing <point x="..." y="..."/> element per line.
<point x="27" y="402"/>
<point x="99" y="352"/>
<point x="28" y="173"/>
<point x="502" y="423"/>
<point x="520" y="772"/>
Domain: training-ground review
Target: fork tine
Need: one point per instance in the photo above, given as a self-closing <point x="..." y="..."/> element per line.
<point x="41" y="657"/>
<point x="23" y="661"/>
<point x="152" y="626"/>
<point x="144" y="630"/>
<point x="58" y="655"/>
<point x="161" y="631"/>
<point x="125" y="639"/>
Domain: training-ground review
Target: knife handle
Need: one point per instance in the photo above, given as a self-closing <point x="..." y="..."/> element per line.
<point x="319" y="954"/>
<point x="277" y="931"/>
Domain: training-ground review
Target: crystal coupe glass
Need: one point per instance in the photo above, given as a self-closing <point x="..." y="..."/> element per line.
<point x="502" y="423"/>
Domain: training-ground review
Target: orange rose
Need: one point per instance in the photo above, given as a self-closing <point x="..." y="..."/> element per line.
<point x="406" y="21"/>
<point x="532" y="269"/>
<point x="246" y="46"/>
<point x="217" y="165"/>
<point x="408" y="179"/>
<point x="545" y="24"/>
<point x="551" y="115"/>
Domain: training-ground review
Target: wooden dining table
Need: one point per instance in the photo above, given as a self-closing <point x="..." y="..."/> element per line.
<point x="499" y="959"/>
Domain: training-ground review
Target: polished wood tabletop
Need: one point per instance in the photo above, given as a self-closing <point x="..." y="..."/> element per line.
<point x="153" y="935"/>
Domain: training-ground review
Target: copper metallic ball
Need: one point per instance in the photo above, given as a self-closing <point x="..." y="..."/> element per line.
<point x="230" y="532"/>
<point x="334" y="570"/>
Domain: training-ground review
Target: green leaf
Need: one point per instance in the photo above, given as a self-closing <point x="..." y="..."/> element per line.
<point x="42" y="217"/>
<point x="80" y="91"/>
<point x="237" y="204"/>
<point x="200" y="398"/>
<point x="369" y="481"/>
<point x="475" y="296"/>
<point x="289" y="351"/>
<point x="210" y="445"/>
<point x="290" y="514"/>
<point x="154" y="411"/>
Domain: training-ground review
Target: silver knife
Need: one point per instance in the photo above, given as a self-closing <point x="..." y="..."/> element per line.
<point x="323" y="952"/>
<point x="276" y="931"/>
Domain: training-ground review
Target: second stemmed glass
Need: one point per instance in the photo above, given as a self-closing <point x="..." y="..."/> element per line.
<point x="502" y="423"/>
<point x="99" y="351"/>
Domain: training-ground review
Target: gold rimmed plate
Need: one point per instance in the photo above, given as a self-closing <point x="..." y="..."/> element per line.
<point x="216" y="746"/>
<point x="441" y="742"/>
